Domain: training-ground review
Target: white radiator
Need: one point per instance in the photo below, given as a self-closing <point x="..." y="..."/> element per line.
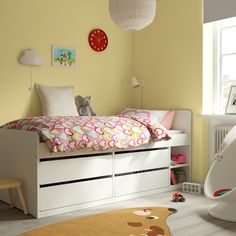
<point x="220" y="133"/>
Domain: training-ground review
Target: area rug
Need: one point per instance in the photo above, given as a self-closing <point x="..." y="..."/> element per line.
<point x="150" y="221"/>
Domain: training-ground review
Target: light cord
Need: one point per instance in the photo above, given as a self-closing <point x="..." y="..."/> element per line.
<point x="142" y="97"/>
<point x="31" y="90"/>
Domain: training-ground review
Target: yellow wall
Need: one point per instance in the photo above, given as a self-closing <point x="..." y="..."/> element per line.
<point x="40" y="24"/>
<point x="168" y="56"/>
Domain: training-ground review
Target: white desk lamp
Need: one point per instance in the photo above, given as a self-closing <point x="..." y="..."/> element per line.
<point x="137" y="83"/>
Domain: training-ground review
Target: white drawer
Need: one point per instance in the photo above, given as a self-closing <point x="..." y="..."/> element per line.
<point x="179" y="140"/>
<point x="76" y="193"/>
<point x="75" y="168"/>
<point x="134" y="183"/>
<point x="129" y="162"/>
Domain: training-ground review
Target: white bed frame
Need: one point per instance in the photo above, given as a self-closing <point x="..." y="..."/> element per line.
<point x="56" y="183"/>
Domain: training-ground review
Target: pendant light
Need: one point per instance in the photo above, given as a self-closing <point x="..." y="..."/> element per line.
<point x="132" y="15"/>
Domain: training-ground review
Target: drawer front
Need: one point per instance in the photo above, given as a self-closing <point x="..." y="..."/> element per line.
<point x="73" y="169"/>
<point x="135" y="183"/>
<point x="76" y="193"/>
<point x="129" y="162"/>
<point x="179" y="140"/>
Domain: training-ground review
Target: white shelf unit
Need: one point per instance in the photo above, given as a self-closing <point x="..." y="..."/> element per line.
<point x="181" y="144"/>
<point x="179" y="166"/>
<point x="184" y="148"/>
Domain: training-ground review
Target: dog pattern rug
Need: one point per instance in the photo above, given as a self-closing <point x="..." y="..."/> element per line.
<point x="150" y="221"/>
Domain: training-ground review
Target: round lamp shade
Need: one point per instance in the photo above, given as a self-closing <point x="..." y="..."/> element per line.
<point x="31" y="57"/>
<point x="132" y="15"/>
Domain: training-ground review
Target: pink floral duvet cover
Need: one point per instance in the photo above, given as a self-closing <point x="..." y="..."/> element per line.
<point x="70" y="133"/>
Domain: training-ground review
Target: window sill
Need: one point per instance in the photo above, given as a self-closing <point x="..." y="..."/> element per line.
<point x="218" y="116"/>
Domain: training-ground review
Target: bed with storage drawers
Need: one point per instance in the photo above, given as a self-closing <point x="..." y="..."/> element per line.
<point x="67" y="181"/>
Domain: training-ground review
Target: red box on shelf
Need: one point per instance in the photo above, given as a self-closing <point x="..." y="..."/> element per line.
<point x="179" y="158"/>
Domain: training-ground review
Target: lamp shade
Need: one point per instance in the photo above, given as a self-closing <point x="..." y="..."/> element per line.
<point x="132" y="15"/>
<point x="30" y="57"/>
<point x="135" y="83"/>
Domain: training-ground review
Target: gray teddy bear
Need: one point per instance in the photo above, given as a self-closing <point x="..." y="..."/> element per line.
<point x="83" y="106"/>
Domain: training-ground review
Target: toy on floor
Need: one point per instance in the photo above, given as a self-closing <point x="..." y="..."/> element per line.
<point x="221" y="192"/>
<point x="177" y="197"/>
<point x="189" y="187"/>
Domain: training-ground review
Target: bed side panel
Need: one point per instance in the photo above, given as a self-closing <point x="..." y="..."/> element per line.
<point x="18" y="159"/>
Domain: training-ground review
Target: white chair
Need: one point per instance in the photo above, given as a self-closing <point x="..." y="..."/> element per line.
<point x="222" y="175"/>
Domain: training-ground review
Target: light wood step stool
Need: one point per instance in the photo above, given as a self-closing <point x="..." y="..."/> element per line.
<point x="10" y="184"/>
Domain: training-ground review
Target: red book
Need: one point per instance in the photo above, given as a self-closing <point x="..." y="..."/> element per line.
<point x="172" y="177"/>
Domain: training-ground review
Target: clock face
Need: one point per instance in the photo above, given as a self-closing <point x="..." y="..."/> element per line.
<point x="98" y="40"/>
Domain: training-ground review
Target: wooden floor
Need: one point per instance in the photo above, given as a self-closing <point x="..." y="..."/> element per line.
<point x="191" y="220"/>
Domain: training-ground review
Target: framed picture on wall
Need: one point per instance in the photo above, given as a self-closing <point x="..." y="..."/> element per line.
<point x="231" y="104"/>
<point x="63" y="56"/>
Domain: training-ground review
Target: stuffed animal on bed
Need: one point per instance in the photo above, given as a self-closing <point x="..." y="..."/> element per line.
<point x="83" y="106"/>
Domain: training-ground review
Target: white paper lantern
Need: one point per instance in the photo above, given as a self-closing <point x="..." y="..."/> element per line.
<point x="132" y="15"/>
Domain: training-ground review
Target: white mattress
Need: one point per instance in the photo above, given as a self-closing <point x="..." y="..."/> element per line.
<point x="172" y="131"/>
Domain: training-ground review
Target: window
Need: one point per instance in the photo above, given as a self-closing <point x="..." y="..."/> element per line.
<point x="225" y="62"/>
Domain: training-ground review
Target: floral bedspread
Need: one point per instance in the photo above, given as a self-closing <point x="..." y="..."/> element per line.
<point x="70" y="133"/>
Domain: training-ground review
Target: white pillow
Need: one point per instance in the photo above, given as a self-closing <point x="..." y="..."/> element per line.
<point x="57" y="101"/>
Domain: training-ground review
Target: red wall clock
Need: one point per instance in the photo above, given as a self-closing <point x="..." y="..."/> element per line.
<point x="98" y="40"/>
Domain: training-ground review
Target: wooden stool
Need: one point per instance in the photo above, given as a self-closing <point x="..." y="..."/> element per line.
<point x="10" y="184"/>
